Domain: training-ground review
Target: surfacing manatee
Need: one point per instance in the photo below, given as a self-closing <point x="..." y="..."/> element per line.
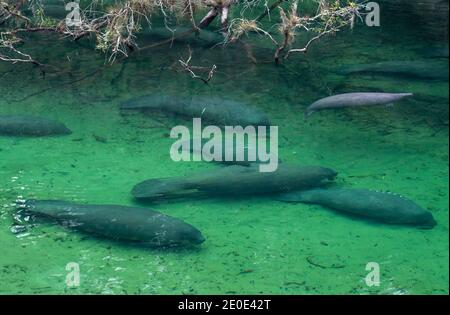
<point x="137" y="225"/>
<point x="234" y="180"/>
<point x="24" y="125"/>
<point x="384" y="207"/>
<point x="355" y="100"/>
<point x="213" y="109"/>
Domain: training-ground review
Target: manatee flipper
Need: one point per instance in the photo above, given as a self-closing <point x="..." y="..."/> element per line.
<point x="308" y="113"/>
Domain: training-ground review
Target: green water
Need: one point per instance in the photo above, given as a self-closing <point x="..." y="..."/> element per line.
<point x="254" y="245"/>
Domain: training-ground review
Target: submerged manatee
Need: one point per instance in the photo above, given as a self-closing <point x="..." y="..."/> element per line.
<point x="233" y="181"/>
<point x="23" y="125"/>
<point x="137" y="225"/>
<point x="435" y="51"/>
<point x="249" y="151"/>
<point x="216" y="110"/>
<point x="384" y="207"/>
<point x="355" y="99"/>
<point x="428" y="69"/>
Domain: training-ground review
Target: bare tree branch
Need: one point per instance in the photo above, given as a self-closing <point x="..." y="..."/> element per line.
<point x="116" y="26"/>
<point x="185" y="64"/>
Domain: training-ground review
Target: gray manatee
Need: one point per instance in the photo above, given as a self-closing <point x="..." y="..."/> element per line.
<point x="355" y="100"/>
<point x="24" y="125"/>
<point x="424" y="69"/>
<point x="212" y="109"/>
<point x="234" y="181"/>
<point x="435" y="51"/>
<point x="384" y="207"/>
<point x="137" y="225"/>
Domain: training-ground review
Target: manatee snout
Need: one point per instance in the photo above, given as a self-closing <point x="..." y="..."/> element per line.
<point x="187" y="235"/>
<point x="426" y="221"/>
<point x="154" y="188"/>
<point x="65" y="130"/>
<point x="25" y="206"/>
<point x="196" y="237"/>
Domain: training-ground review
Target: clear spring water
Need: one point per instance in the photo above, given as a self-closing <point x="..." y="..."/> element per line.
<point x="254" y="245"/>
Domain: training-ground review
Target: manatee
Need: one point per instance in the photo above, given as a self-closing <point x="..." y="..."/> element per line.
<point x="384" y="207"/>
<point x="234" y="180"/>
<point x="426" y="69"/>
<point x="213" y="109"/>
<point x="355" y="99"/>
<point x="136" y="225"/>
<point x="23" y="125"/>
<point x="246" y="160"/>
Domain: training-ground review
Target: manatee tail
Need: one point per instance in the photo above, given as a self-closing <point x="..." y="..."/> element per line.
<point x="164" y="188"/>
<point x="303" y="196"/>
